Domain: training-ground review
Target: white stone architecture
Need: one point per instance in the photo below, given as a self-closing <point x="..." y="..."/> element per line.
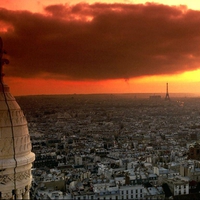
<point x="178" y="186"/>
<point x="15" y="146"/>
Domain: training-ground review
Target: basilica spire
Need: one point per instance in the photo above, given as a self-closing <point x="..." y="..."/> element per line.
<point x="2" y="60"/>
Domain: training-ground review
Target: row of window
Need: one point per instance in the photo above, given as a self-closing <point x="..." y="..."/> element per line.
<point x="131" y="191"/>
<point x="180" y="186"/>
<point x="114" y="198"/>
<point x="136" y="196"/>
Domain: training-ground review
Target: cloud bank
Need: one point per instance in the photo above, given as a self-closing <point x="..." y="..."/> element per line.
<point x="101" y="41"/>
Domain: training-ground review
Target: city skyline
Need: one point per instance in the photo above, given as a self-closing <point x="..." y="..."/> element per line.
<point x="64" y="47"/>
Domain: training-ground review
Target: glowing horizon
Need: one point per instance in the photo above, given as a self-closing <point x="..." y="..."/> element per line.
<point x="151" y="84"/>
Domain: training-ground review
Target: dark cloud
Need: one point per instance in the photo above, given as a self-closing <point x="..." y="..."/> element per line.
<point x="101" y="41"/>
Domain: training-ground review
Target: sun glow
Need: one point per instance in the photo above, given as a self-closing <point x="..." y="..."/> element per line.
<point x="37" y="6"/>
<point x="187" y="82"/>
<point x="189" y="76"/>
<point x="5" y="27"/>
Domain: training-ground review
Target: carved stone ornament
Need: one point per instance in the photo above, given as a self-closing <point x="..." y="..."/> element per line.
<point x="4" y="179"/>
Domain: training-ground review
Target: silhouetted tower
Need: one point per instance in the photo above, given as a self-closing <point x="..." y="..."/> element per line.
<point x="167" y="94"/>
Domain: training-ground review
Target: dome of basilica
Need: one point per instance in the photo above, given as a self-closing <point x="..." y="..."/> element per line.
<point x="16" y="157"/>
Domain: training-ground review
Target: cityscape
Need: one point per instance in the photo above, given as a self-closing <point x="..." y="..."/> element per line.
<point x="114" y="146"/>
<point x="101" y="100"/>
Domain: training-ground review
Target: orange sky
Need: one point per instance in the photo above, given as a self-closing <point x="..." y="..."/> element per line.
<point x="183" y="81"/>
<point x="37" y="6"/>
<point x="187" y="82"/>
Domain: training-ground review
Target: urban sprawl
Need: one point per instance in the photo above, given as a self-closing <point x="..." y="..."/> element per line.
<point x="110" y="147"/>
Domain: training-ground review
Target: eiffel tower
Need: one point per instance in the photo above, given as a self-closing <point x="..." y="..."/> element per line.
<point x="167" y="94"/>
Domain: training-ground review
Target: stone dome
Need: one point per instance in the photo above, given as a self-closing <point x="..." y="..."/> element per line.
<point x="15" y="147"/>
<point x="16" y="157"/>
<point x="14" y="135"/>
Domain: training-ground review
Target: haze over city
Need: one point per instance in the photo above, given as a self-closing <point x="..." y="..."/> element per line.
<point x="64" y="47"/>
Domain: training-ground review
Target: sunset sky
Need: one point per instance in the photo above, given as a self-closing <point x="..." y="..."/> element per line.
<point x="122" y="46"/>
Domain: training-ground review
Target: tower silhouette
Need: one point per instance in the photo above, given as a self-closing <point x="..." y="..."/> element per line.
<point x="167" y="98"/>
